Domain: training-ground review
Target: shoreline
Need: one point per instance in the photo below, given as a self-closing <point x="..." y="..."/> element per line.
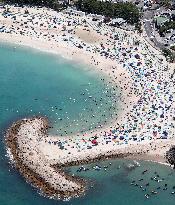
<point x="105" y="66"/>
<point x="145" y="125"/>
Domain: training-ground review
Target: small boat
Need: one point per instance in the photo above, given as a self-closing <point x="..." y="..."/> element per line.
<point x="133" y="182"/>
<point x="144" y="171"/>
<point x="147" y="196"/>
<point x="86" y="169"/>
<point x="130" y="166"/>
<point x="140" y="180"/>
<point x="154" y="192"/>
<point x="82" y="168"/>
<point x="97" y="168"/>
<point x="165" y="188"/>
<point x="136" y="163"/>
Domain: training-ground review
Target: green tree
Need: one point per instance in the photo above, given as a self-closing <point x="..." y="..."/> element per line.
<point x="170" y="56"/>
<point x="127" y="11"/>
<point x="48" y="3"/>
<point x="166" y="3"/>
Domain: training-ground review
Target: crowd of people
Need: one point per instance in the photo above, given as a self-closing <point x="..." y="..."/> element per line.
<point x="152" y="116"/>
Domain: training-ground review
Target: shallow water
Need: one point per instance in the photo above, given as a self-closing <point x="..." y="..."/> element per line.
<point x="34" y="83"/>
<point x="25" y="91"/>
<point x="111" y="187"/>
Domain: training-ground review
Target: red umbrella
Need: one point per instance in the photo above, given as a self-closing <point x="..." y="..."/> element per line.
<point x="94" y="142"/>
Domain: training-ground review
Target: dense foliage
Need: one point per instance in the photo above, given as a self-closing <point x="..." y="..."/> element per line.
<point x="164" y="28"/>
<point x="32" y="2"/>
<point x="170" y="156"/>
<point x="166" y="3"/>
<point x="127" y="11"/>
<point x="47" y="3"/>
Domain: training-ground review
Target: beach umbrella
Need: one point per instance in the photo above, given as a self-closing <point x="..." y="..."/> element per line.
<point x="94" y="142"/>
<point x="165" y="133"/>
<point x="121" y="138"/>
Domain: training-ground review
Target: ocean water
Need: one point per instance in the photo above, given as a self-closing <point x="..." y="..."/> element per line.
<point x="32" y="83"/>
<point x="38" y="83"/>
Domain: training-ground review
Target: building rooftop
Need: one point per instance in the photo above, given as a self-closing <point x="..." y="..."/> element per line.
<point x="161" y="19"/>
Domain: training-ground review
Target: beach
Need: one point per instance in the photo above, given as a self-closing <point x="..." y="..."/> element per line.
<point x="145" y="124"/>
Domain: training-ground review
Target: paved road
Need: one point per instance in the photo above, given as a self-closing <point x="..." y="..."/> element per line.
<point x="148" y="26"/>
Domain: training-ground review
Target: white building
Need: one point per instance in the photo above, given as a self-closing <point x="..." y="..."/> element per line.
<point x="117" y="22"/>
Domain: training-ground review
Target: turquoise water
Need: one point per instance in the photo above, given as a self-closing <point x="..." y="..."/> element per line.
<point x="111" y="187"/>
<point x="31" y="83"/>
